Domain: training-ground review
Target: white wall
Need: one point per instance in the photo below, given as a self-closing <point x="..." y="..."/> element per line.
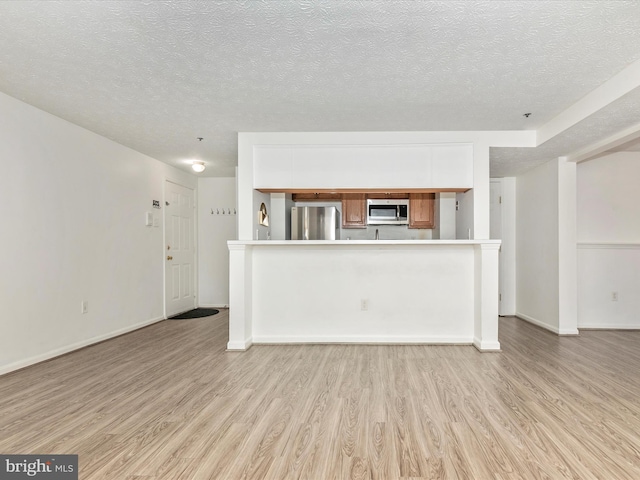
<point x="349" y="292"/>
<point x="608" y="206"/>
<point x="464" y="216"/>
<point x="508" y="247"/>
<point x="214" y="230"/>
<point x="537" y="246"/>
<point x="319" y="290"/>
<point x="73" y="211"/>
<point x="567" y="248"/>
<point x="608" y="215"/>
<point x="546" y="292"/>
<point x="280" y="216"/>
<point x="445" y="216"/>
<point x="602" y="270"/>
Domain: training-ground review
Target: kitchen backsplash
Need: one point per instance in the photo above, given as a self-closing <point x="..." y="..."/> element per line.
<point x="385" y="232"/>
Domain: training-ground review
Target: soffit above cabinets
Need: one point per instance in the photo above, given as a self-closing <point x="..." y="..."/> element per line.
<point x="378" y="168"/>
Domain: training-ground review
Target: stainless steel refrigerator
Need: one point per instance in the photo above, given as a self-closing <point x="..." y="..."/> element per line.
<point x="315" y="223"/>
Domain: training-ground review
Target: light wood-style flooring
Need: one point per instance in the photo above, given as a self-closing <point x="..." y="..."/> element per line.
<point x="168" y="402"/>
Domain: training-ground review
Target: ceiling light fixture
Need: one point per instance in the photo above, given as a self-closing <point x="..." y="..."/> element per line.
<point x="198" y="166"/>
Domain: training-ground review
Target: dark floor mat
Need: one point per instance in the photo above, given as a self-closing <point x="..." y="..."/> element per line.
<point x="196" y="313"/>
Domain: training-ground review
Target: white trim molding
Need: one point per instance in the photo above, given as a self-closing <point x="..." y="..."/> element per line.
<point x="366" y="339"/>
<point x="546" y="326"/>
<point x="240" y="346"/>
<point x="608" y="246"/>
<point x="75" y="346"/>
<point x="486" y="346"/>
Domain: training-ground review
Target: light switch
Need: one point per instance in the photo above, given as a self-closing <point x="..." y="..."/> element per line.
<point x="148" y="219"/>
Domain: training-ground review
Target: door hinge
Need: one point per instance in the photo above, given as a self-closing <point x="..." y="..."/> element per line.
<point x="499" y="297"/>
<point x="500" y="201"/>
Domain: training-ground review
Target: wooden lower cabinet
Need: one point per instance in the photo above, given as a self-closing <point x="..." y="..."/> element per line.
<point x="422" y="210"/>
<point x="354" y="210"/>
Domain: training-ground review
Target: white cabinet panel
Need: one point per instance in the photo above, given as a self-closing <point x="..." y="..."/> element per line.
<point x="319" y="167"/>
<point x="415" y="161"/>
<point x="273" y="167"/>
<point x="452" y="166"/>
<point x="380" y="166"/>
<point x="366" y="167"/>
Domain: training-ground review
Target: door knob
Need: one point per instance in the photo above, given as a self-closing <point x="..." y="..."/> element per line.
<point x="169" y="257"/>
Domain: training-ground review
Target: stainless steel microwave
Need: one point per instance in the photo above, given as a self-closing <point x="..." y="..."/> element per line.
<point x="388" y="212"/>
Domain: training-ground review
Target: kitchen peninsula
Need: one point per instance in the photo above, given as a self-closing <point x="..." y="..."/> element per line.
<point x="368" y="291"/>
<point x="442" y="290"/>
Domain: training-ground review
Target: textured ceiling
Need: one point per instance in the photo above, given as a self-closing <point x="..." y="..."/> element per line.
<point x="156" y="75"/>
<point x="615" y="117"/>
<point x="633" y="146"/>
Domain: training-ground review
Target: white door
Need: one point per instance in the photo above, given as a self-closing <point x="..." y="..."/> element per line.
<point x="179" y="271"/>
<point x="495" y="229"/>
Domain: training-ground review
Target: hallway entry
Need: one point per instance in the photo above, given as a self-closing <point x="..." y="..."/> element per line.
<point x="179" y="271"/>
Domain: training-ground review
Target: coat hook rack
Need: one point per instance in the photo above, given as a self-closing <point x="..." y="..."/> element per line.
<point x="223" y="211"/>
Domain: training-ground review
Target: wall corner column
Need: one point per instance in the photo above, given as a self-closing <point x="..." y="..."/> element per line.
<point x="567" y="248"/>
<point x="481" y="192"/>
<point x="486" y="297"/>
<point x="240" y="296"/>
<point x="244" y="192"/>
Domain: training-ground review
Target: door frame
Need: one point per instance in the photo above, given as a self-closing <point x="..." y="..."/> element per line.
<point x="507" y="267"/>
<point x="495" y="187"/>
<point x="196" y="298"/>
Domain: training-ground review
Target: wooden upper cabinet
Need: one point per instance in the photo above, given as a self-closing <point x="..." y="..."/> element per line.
<point x="422" y="210"/>
<point x="354" y="210"/>
<point x="387" y="195"/>
<point x="306" y="197"/>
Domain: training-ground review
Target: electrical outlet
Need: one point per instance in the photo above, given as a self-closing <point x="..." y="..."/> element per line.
<point x="364" y="304"/>
<point x="614" y="296"/>
<point x="85" y="306"/>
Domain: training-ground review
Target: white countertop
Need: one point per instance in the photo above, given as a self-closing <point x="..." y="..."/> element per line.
<point x="266" y="243"/>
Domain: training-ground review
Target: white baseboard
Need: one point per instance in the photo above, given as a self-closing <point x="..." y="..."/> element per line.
<point x="609" y="327"/>
<point x="213" y="305"/>
<point x="569" y="332"/>
<point x="486" y="346"/>
<point x="240" y="346"/>
<point x="371" y="339"/>
<point x="76" y="346"/>
<point x="546" y="326"/>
